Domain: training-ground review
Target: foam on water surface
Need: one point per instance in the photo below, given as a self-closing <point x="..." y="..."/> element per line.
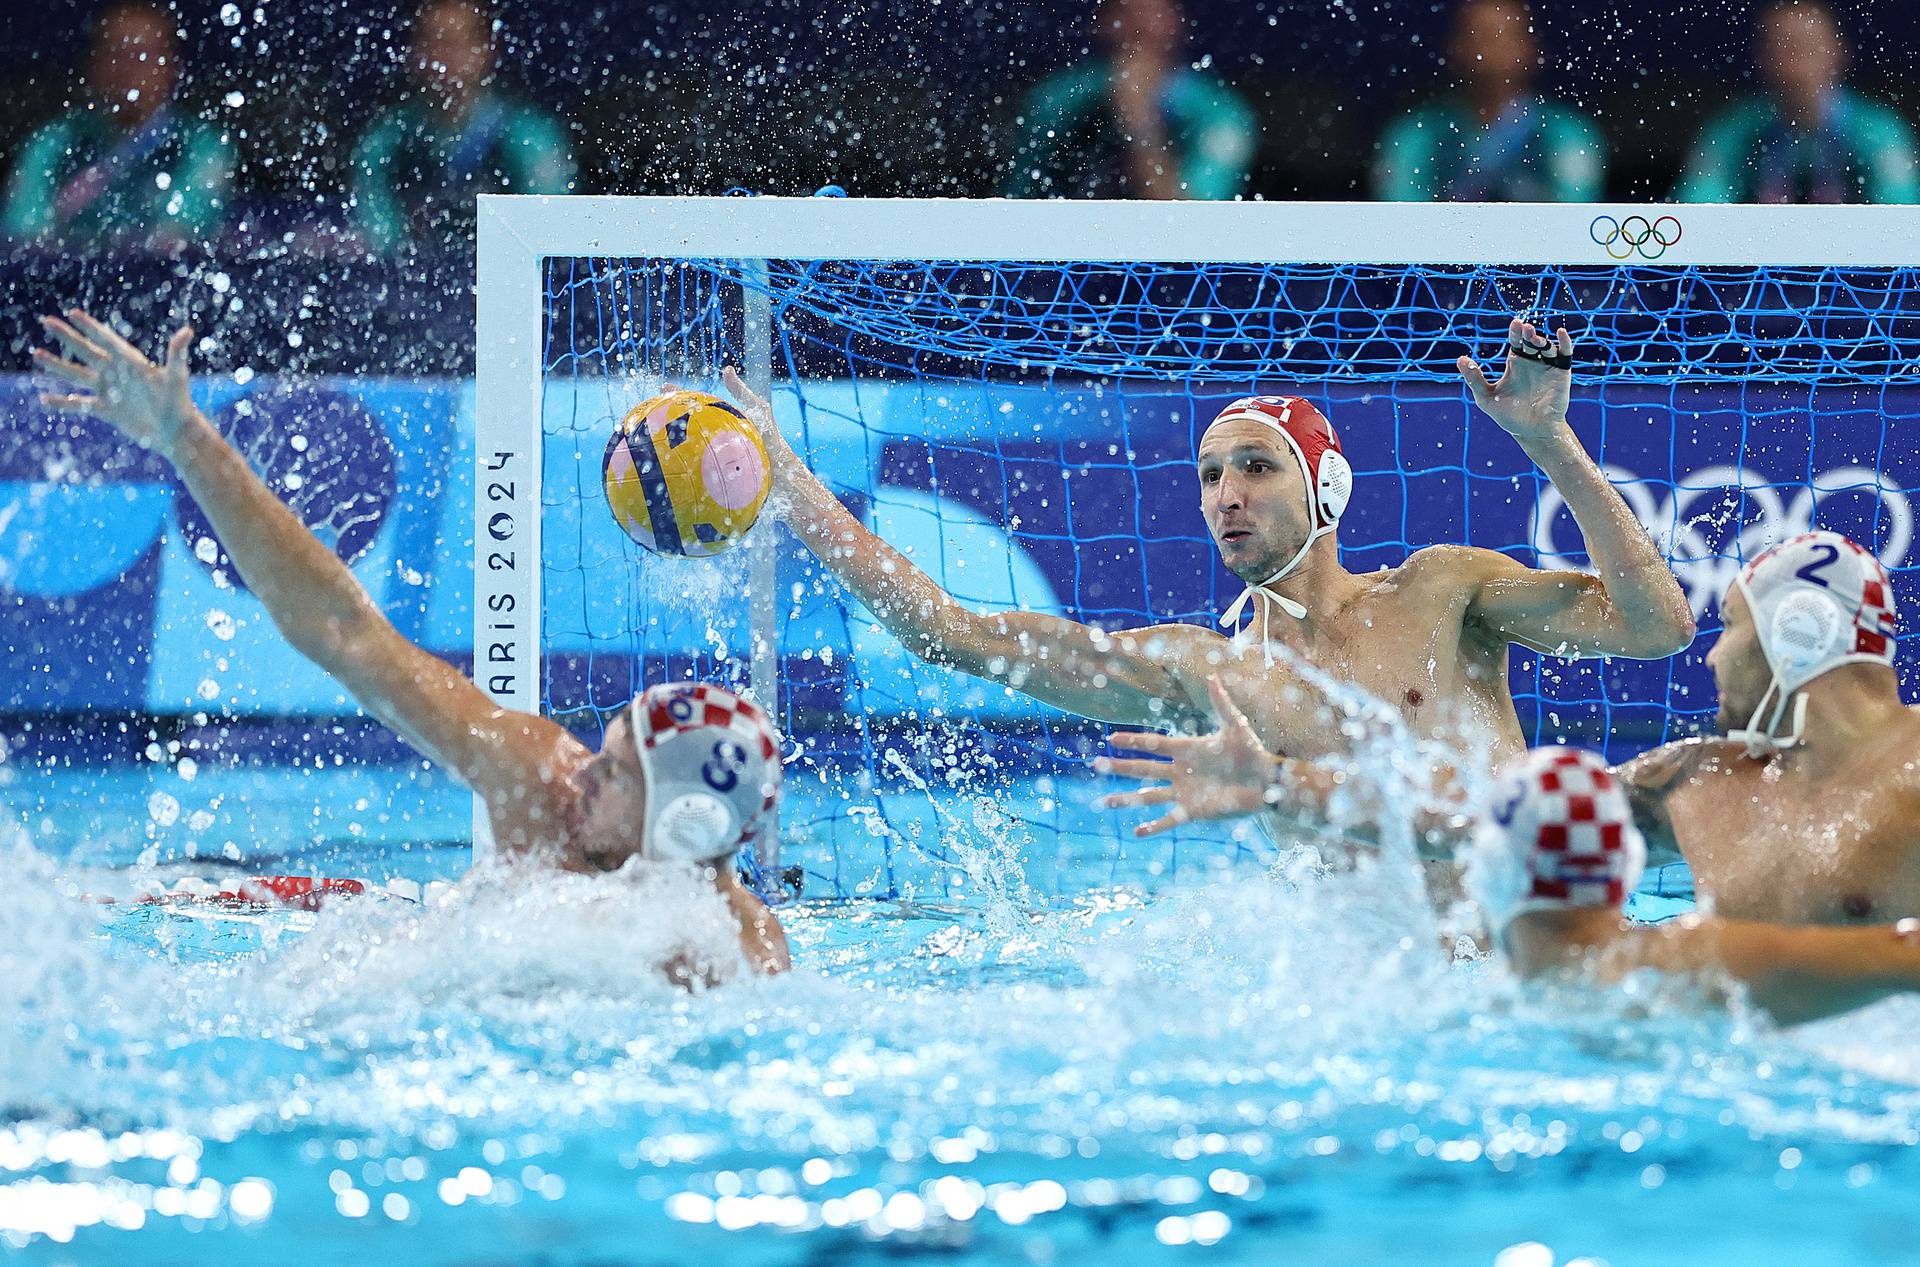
<point x="1285" y="1058"/>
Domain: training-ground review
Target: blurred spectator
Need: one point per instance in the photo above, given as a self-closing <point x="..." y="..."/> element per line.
<point x="1135" y="123"/>
<point x="1811" y="139"/>
<point x="1492" y="139"/>
<point x="419" y="168"/>
<point x="128" y="166"/>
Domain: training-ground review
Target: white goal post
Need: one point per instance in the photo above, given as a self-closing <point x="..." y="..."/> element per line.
<point x="518" y="233"/>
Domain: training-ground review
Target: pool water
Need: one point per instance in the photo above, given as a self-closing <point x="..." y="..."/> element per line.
<point x="1258" y="1063"/>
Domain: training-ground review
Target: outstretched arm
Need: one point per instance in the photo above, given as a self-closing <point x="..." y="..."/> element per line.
<point x="1125" y="677"/>
<point x="313" y="599"/>
<point x="1797" y="974"/>
<point x="1633" y="606"/>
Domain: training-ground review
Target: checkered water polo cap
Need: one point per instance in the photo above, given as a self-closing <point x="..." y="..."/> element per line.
<point x="1312" y="441"/>
<point x="712" y="765"/>
<point x="1563" y="823"/>
<point x="1818" y="601"/>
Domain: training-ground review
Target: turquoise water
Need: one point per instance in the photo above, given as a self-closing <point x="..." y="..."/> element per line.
<point x="1260" y="1063"/>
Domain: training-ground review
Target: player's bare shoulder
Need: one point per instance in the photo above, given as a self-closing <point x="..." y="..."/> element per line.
<point x="1440" y="578"/>
<point x="1664" y="770"/>
<point x="1191" y="653"/>
<point x="1463" y="567"/>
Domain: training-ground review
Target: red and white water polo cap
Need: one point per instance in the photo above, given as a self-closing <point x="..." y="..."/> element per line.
<point x="712" y="765"/>
<point x="1315" y="445"/>
<point x="1561" y="837"/>
<point x="1817" y="601"/>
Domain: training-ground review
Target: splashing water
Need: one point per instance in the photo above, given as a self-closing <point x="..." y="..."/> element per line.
<point x="1254" y="1061"/>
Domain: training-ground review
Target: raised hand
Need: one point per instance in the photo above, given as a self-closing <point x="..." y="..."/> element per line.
<point x="114" y="381"/>
<point x="1530" y="399"/>
<point x="1222" y="775"/>
<point x="780" y="454"/>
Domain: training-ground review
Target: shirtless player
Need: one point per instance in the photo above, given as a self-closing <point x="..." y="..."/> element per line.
<point x="688" y="773"/>
<point x="1430" y="636"/>
<point x="1560" y="854"/>
<point x="1809" y="813"/>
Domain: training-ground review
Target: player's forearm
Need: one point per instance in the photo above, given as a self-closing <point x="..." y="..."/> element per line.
<point x="1640" y="586"/>
<point x="313" y="599"/>
<point x="902" y="597"/>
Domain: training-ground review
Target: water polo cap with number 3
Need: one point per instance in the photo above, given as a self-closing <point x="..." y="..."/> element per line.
<point x="1817" y="601"/>
<point x="1563" y="837"/>
<point x="712" y="766"/>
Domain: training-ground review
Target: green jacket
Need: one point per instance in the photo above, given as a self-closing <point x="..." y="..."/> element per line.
<point x="1068" y="142"/>
<point x="1858" y="151"/>
<point x="415" y="180"/>
<point x="81" y="182"/>
<point x="1535" y="152"/>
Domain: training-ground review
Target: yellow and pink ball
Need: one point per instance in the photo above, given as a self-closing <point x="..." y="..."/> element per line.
<point x="686" y="473"/>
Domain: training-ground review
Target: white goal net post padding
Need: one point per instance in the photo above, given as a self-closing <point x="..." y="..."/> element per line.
<point x="1012" y="390"/>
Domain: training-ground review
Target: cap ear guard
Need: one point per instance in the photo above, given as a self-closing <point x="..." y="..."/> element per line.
<point x="1333" y="485"/>
<point x="692" y="827"/>
<point x="1806" y="629"/>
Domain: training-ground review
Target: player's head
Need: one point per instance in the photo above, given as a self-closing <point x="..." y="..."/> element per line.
<point x="1795" y="613"/>
<point x="1493" y="45"/>
<point x="1272" y="482"/>
<point x="453" y="44"/>
<point x="1559" y="836"/>
<point x="688" y="773"/>
<point x="134" y="61"/>
<point x="1801" y="50"/>
<point x="1127" y="28"/>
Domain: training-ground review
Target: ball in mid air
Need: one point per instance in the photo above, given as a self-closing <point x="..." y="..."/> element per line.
<point x="685" y="473"/>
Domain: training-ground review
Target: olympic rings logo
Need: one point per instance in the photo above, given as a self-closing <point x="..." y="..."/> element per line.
<point x="1635" y="235"/>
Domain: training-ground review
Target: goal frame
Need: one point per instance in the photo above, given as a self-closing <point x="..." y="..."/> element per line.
<point x="517" y="234"/>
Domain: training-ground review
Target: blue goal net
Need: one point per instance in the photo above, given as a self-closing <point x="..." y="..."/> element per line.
<point x="1026" y="433"/>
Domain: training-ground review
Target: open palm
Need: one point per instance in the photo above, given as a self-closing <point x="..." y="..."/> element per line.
<point x="1530" y="397"/>
<point x="1222" y="775"/>
<point x="113" y="380"/>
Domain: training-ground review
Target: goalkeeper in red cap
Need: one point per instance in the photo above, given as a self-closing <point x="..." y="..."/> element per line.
<point x="1429" y="637"/>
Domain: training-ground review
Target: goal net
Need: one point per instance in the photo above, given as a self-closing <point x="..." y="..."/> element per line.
<point x="1012" y="394"/>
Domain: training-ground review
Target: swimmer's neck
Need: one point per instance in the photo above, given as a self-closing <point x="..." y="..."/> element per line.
<point x="1319" y="584"/>
<point x="1850" y="711"/>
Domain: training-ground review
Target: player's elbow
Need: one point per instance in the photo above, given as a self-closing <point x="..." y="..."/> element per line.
<point x="1649" y="630"/>
<point x="1665" y="628"/>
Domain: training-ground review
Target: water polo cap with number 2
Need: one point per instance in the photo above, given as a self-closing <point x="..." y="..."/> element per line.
<point x="712" y="765"/>
<point x="1817" y="601"/>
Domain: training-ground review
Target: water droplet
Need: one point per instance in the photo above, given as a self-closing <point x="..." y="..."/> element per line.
<point x="163" y="809"/>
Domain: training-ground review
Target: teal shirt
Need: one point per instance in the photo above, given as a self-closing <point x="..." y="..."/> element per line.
<point x="1858" y="151"/>
<point x="415" y="179"/>
<point x="82" y="182"/>
<point x="1536" y="151"/>
<point x="1068" y="143"/>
